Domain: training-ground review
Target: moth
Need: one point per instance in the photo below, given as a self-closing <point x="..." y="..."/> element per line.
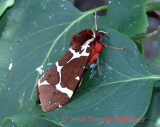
<point x="57" y="85"/>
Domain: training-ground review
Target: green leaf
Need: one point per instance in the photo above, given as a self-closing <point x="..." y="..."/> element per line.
<point x="140" y="46"/>
<point x="26" y="36"/>
<point x="130" y="14"/>
<point x="151" y="6"/>
<point x="153" y="114"/>
<point x="125" y="84"/>
<point x="35" y="35"/>
<point x="154" y="66"/>
<point x="4" y="4"/>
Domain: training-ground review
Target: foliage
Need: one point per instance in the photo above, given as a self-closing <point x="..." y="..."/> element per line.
<point x="35" y="33"/>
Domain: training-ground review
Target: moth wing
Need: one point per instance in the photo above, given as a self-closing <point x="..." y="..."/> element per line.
<point x="56" y="87"/>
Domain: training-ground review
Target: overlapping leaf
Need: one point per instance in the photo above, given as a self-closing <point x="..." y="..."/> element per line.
<point x="130" y="16"/>
<point x="4" y="4"/>
<point x="153" y="114"/>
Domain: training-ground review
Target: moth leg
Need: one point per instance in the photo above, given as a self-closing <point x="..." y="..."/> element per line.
<point x="79" y="84"/>
<point x="80" y="81"/>
<point x="98" y="66"/>
<point x="108" y="46"/>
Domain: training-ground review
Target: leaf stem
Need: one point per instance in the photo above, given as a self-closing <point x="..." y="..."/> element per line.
<point x="147" y="35"/>
<point x="150" y="77"/>
<point x="142" y="47"/>
<point x="93" y="10"/>
<point x="102" y="8"/>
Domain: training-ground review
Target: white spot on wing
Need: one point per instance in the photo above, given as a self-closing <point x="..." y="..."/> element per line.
<point x="77" y="78"/>
<point x="84" y="48"/>
<point x="40" y="69"/>
<point x="59" y="69"/>
<point x="43" y="83"/>
<point x="64" y="90"/>
<point x="10" y="66"/>
<point x="58" y="86"/>
<point x="60" y="106"/>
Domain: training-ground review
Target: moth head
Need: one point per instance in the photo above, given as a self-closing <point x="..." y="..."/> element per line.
<point x="102" y="33"/>
<point x="99" y="35"/>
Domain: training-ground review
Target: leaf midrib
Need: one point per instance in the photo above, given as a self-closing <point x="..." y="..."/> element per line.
<point x="151" y="77"/>
<point x="126" y="81"/>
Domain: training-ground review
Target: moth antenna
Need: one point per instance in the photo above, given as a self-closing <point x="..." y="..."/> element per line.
<point x="103" y="32"/>
<point x="94" y="35"/>
<point x="95" y="18"/>
<point x="93" y="28"/>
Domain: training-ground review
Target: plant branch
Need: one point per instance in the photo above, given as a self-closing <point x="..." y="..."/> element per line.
<point x="154" y="14"/>
<point x="155" y="32"/>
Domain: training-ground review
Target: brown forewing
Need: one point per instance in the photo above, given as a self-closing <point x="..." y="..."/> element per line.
<point x="71" y="73"/>
<point x="80" y="38"/>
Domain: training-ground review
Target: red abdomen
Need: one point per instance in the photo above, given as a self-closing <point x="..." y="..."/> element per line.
<point x="96" y="48"/>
